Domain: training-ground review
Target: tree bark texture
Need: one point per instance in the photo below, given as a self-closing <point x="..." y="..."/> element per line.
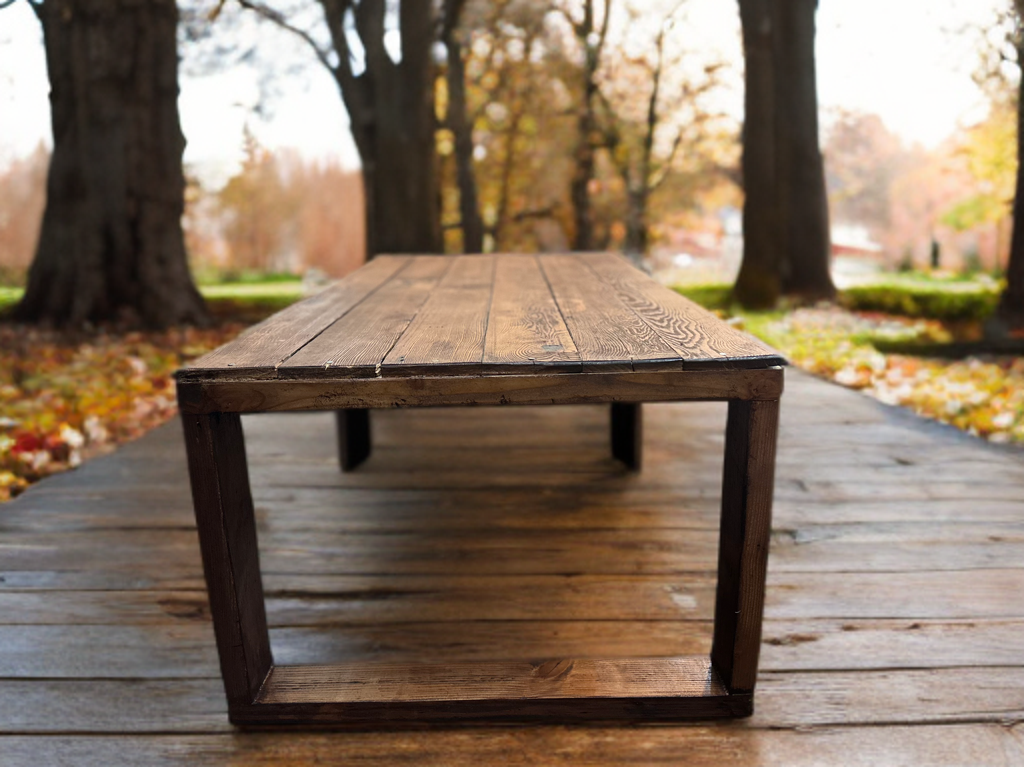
<point x="806" y="239"/>
<point x="470" y="221"/>
<point x="111" y="245"/>
<point x="1010" y="312"/>
<point x="785" y="214"/>
<point x="391" y="109"/>
<point x="591" y="37"/>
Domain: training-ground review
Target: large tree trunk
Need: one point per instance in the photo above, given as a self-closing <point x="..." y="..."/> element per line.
<point x="759" y="282"/>
<point x="786" y="242"/>
<point x="1010" y="312"/>
<point x="111" y="245"/>
<point x="391" y="109"/>
<point x="806" y="240"/>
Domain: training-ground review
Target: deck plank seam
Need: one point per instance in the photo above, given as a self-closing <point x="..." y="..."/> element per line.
<point x="312" y="338"/>
<point x="378" y="369"/>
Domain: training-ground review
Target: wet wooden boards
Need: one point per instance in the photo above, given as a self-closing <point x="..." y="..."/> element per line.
<point x="429" y="331"/>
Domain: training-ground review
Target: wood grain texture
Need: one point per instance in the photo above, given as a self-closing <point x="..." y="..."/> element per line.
<point x="484" y="315"/>
<point x="561" y="678"/>
<point x="357" y="344"/>
<point x="934" y="745"/>
<point x="227" y="537"/>
<point x="698" y="337"/>
<point x="901" y="666"/>
<point x="525" y="327"/>
<point x="608" y="334"/>
<point x="447" y="334"/>
<point x="263" y="347"/>
<point x="584" y="690"/>
<point x="747" y="488"/>
<point x="265" y="396"/>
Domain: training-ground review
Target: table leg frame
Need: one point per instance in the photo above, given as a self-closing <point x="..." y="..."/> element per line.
<point x="354" y="443"/>
<point x="414" y="695"/>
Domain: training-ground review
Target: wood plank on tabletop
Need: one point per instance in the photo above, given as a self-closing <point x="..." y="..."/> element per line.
<point x="525" y="327"/>
<point x="357" y="343"/>
<point x="447" y="334"/>
<point x="266" y="345"/>
<point x="603" y="328"/>
<point x="698" y="336"/>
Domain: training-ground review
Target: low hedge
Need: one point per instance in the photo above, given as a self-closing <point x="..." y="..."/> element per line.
<point x="948" y="304"/>
<point x="713" y="297"/>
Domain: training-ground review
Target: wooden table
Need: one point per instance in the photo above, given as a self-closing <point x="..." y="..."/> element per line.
<point x="419" y="331"/>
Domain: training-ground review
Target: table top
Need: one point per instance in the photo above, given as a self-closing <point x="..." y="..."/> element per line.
<point x="485" y="315"/>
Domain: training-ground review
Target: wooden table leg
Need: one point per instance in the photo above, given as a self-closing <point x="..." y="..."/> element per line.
<point x="353" y="437"/>
<point x="747" y="488"/>
<point x="227" y="538"/>
<point x="628" y="433"/>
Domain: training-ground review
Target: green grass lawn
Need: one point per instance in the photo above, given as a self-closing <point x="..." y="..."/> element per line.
<point x="224" y="298"/>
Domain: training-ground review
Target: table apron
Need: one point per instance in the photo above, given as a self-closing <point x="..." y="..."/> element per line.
<point x="569" y="388"/>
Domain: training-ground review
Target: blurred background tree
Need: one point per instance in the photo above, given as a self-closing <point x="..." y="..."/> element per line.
<point x="111" y="245"/>
<point x="787" y="244"/>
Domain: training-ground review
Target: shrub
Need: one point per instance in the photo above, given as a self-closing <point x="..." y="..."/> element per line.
<point x="937" y="303"/>
<point x="712" y="297"/>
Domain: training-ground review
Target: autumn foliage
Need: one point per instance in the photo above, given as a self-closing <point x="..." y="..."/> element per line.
<point x="64" y="399"/>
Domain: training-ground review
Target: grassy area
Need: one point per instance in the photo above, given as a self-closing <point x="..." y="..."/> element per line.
<point x="245" y="301"/>
<point x="983" y="396"/>
<point x="9" y="296"/>
<point x="914" y="296"/>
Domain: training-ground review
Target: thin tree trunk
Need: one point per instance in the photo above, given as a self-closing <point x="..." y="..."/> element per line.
<point x="1010" y="312"/>
<point x="805" y="237"/>
<point x="471" y="223"/>
<point x="586" y="124"/>
<point x="759" y="284"/>
<point x="111" y="245"/>
<point x="636" y="240"/>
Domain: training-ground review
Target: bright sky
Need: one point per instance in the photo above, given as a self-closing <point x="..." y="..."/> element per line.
<point x="901" y="59"/>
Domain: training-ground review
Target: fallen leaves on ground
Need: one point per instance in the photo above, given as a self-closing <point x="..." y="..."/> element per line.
<point x="65" y="399"/>
<point x="983" y="396"/>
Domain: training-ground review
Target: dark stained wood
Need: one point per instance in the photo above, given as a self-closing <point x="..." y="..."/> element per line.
<point x="263" y="347"/>
<point x="447" y="334"/>
<point x="628" y="434"/>
<point x="427" y="337"/>
<point x="357" y="344"/>
<point x="353" y="437"/>
<point x="747" y="484"/>
<point x="268" y="396"/>
<point x="608" y="334"/>
<point x="442" y="682"/>
<point x="936" y="745"/>
<point x="227" y="538"/>
<point x="858" y="666"/>
<point x="484" y="316"/>
<point x="582" y="690"/>
<point x="525" y="326"/>
<point x="696" y="335"/>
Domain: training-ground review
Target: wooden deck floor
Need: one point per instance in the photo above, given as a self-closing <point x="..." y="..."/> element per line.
<point x="895" y="614"/>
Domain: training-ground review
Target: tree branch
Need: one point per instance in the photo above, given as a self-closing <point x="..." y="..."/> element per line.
<point x="278" y="18"/>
